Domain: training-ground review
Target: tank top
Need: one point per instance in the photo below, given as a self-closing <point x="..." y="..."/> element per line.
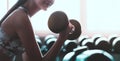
<point x="10" y="46"/>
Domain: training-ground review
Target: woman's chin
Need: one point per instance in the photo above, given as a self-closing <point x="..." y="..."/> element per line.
<point x="44" y="8"/>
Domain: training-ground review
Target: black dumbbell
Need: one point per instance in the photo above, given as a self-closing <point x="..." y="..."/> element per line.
<point x="116" y="45"/>
<point x="89" y="43"/>
<point x="49" y="37"/>
<point x="58" y="21"/>
<point x="71" y="56"/>
<point x="102" y="43"/>
<point x="82" y="38"/>
<point x="49" y="40"/>
<point x="95" y="55"/>
<point x="38" y="40"/>
<point x="69" y="45"/>
<point x="111" y="38"/>
<point x="96" y="37"/>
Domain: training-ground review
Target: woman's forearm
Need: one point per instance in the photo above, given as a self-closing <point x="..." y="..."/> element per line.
<point x="55" y="49"/>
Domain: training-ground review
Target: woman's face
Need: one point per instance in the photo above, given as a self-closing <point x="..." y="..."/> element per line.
<point x="44" y="4"/>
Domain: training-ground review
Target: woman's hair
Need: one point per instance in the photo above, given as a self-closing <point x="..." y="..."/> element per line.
<point x="19" y="3"/>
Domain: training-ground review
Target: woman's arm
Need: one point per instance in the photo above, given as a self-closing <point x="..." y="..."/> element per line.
<point x="55" y="49"/>
<point x="26" y="35"/>
<point x="25" y="32"/>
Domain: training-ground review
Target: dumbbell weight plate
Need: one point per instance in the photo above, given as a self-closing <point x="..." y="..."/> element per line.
<point x="77" y="31"/>
<point x="58" y="21"/>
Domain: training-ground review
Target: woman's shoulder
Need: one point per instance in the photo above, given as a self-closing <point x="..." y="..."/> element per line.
<point x="20" y="14"/>
<point x="20" y="17"/>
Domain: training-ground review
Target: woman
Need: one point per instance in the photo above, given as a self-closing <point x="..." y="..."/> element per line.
<point x="17" y="36"/>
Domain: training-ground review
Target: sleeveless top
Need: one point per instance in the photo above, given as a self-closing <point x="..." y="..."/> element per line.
<point x="11" y="47"/>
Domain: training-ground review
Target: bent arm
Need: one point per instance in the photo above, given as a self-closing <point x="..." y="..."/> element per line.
<point x="33" y="53"/>
<point x="26" y="35"/>
<point x="55" y="49"/>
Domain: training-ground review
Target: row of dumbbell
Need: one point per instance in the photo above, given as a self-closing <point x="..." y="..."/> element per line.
<point x="110" y="44"/>
<point x="98" y="42"/>
<point x="49" y="40"/>
<point x="71" y="51"/>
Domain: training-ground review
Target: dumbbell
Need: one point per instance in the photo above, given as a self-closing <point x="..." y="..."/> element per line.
<point x="82" y="38"/>
<point x="111" y="38"/>
<point x="98" y="57"/>
<point x="89" y="43"/>
<point x="102" y="43"/>
<point x="95" y="55"/>
<point x="69" y="45"/>
<point x="58" y="22"/>
<point x="49" y="37"/>
<point x="71" y="56"/>
<point x="116" y="45"/>
<point x="95" y="38"/>
<point x="38" y="40"/>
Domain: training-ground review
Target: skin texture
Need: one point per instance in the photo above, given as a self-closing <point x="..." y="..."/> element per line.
<point x="19" y="21"/>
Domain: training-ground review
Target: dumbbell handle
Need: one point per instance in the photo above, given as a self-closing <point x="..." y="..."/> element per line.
<point x="73" y="28"/>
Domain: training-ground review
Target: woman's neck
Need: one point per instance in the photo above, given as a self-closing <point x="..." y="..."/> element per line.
<point x="32" y="7"/>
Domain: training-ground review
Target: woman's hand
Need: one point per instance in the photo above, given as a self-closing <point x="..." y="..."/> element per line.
<point x="70" y="28"/>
